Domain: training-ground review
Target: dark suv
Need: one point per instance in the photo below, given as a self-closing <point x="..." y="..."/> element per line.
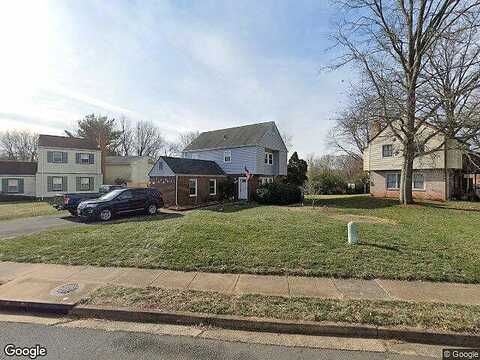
<point x="121" y="201"/>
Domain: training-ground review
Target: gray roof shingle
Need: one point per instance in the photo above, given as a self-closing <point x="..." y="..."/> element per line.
<point x="231" y="137"/>
<point x="10" y="167"/>
<point x="66" y="142"/>
<point x="193" y="166"/>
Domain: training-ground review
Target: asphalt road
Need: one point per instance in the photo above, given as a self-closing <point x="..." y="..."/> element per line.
<point x="77" y="343"/>
<point x="25" y="226"/>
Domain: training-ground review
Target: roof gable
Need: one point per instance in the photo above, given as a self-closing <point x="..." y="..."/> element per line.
<point x="232" y="137"/>
<point x="66" y="142"/>
<point x="9" y="167"/>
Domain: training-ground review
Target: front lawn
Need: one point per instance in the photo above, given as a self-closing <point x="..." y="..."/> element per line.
<point x="439" y="242"/>
<point x="15" y="210"/>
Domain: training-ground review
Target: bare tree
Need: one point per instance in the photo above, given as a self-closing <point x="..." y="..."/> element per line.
<point x="357" y="123"/>
<point x="389" y="40"/>
<point x="287" y="139"/>
<point x="148" y="140"/>
<point x="186" y="138"/>
<point x="19" y="145"/>
<point x="127" y="136"/>
<point x="453" y="73"/>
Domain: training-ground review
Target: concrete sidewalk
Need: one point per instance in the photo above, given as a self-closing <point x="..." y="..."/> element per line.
<point x="38" y="282"/>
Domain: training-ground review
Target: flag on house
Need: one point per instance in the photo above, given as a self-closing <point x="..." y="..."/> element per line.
<point x="247" y="173"/>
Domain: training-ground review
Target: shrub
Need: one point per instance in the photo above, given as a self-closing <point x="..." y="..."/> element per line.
<point x="278" y="194"/>
<point x="226" y="189"/>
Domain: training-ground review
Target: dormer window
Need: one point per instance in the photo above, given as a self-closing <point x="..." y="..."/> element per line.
<point x="227" y="156"/>
<point x="387" y="150"/>
<point x="268" y="158"/>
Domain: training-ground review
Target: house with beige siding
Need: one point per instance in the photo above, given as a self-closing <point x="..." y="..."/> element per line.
<point x="131" y="169"/>
<point x="442" y="174"/>
<point x="64" y="165"/>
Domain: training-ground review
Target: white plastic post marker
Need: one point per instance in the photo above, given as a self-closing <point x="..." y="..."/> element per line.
<point x="352" y="233"/>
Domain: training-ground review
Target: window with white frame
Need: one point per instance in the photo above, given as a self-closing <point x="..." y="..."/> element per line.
<point x="387" y="150"/>
<point x="57" y="157"/>
<point x="57" y="183"/>
<point x="85" y="183"/>
<point x="12" y="186"/>
<point x="84" y="158"/>
<point x="393" y="181"/>
<point x="227" y="156"/>
<point x="418" y="182"/>
<point x="268" y="158"/>
<point x="212" y="187"/>
<point x="192" y="187"/>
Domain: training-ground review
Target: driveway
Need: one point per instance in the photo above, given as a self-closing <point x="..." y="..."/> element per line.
<point x="25" y="226"/>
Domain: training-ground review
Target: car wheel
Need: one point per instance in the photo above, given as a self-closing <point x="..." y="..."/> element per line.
<point x="152" y="209"/>
<point x="105" y="214"/>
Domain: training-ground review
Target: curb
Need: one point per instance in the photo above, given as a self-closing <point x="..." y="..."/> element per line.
<point x="35" y="307"/>
<point x="278" y="326"/>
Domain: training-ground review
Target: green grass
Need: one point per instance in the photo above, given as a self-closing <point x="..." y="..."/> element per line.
<point x="436" y="316"/>
<point x="15" y="210"/>
<point x="438" y="242"/>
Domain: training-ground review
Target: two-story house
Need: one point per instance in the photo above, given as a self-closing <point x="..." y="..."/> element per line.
<point x="65" y="164"/>
<point x="250" y="155"/>
<point x="442" y="173"/>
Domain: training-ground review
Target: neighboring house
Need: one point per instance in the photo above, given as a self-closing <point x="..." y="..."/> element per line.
<point x="440" y="175"/>
<point x="186" y="182"/>
<point x="17" y="177"/>
<point x="133" y="169"/>
<point x="249" y="155"/>
<point x="65" y="164"/>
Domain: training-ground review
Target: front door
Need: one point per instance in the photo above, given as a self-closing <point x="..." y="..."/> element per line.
<point x="242" y="188"/>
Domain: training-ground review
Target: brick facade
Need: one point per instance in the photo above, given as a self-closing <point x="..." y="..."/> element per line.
<point x="167" y="186"/>
<point x="434" y="185"/>
<point x="203" y="196"/>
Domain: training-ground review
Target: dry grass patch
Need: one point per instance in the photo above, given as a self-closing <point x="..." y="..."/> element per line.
<point x="458" y="318"/>
<point x="362" y="219"/>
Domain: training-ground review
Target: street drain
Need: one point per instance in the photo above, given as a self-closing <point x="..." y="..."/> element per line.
<point x="65" y="289"/>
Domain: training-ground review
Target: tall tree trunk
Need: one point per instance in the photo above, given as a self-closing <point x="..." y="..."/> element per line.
<point x="406" y="181"/>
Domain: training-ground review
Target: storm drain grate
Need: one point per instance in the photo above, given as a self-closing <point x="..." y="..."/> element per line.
<point x="65" y="289"/>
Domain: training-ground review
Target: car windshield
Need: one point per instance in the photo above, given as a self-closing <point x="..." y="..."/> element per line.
<point x="111" y="195"/>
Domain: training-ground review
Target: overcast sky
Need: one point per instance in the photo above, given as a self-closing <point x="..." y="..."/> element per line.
<point x="180" y="64"/>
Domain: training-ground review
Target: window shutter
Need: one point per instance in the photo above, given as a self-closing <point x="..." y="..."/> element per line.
<point x="77" y="158"/>
<point x="91" y="183"/>
<point x="64" y="157"/>
<point x="20" y="186"/>
<point x="91" y="158"/>
<point x="65" y="183"/>
<point x="50" y="156"/>
<point x="78" y="181"/>
<point x="4" y="185"/>
<point x="49" y="183"/>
